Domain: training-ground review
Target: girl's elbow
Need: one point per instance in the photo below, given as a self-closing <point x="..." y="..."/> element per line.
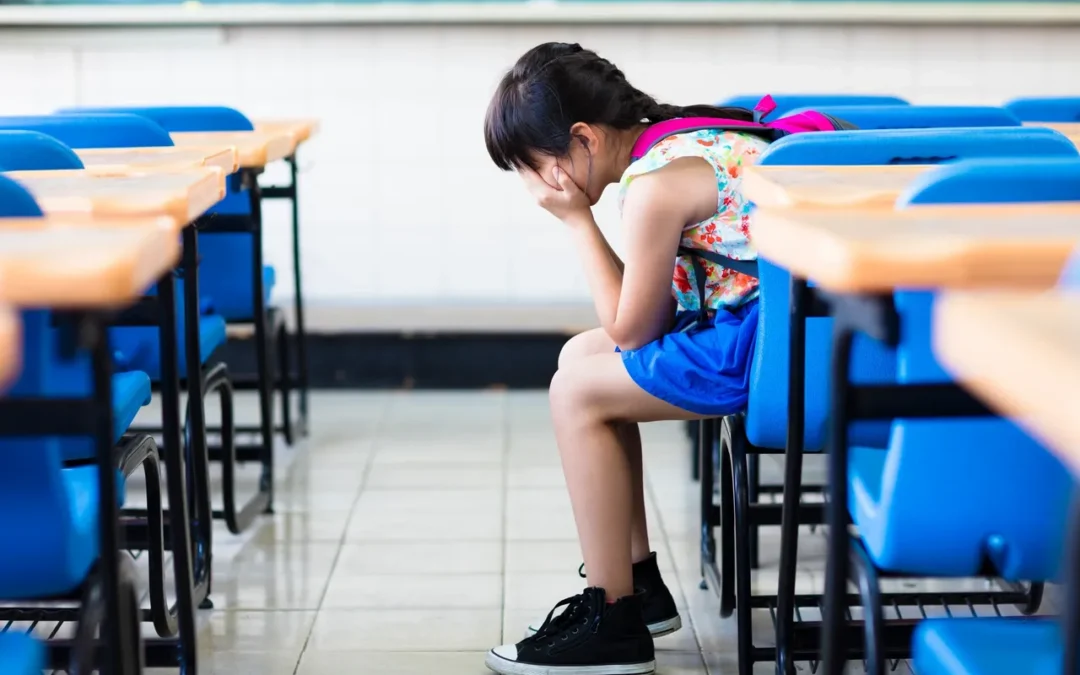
<point x="630" y="340"/>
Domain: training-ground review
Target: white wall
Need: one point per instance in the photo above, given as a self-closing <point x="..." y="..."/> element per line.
<point x="401" y="204"/>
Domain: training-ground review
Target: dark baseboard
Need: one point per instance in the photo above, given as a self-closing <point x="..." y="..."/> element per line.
<point x="435" y="361"/>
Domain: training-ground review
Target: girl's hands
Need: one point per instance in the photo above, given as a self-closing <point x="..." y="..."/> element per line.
<point x="568" y="202"/>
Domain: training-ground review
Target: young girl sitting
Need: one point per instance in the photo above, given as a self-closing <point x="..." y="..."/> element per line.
<point x="672" y="346"/>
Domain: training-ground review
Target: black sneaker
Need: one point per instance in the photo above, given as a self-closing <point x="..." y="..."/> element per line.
<point x="590" y="637"/>
<point x="658" y="606"/>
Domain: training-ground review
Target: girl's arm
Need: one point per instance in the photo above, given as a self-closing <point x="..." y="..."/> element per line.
<point x="634" y="300"/>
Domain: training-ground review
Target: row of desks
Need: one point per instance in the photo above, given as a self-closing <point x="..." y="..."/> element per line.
<point x="1001" y="329"/>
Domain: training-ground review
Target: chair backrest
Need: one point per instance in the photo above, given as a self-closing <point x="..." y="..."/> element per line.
<point x="33" y="151"/>
<point x="917" y="146"/>
<point x="15" y="201"/>
<point x="1046" y="109"/>
<point x="997" y="181"/>
<point x="93" y="131"/>
<point x="177" y="117"/>
<point x="786" y="103"/>
<point x="869" y="117"/>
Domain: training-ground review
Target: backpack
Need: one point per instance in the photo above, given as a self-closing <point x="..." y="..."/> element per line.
<point x="796" y="123"/>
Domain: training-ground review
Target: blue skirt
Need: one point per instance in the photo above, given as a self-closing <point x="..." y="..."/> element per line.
<point x="700" y="367"/>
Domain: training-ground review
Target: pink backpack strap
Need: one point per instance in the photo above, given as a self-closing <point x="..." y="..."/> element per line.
<point x="764" y="108"/>
<point x="661" y="130"/>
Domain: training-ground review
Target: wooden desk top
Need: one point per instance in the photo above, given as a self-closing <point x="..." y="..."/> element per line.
<point x="300" y="129"/>
<point x="82" y="267"/>
<point x="828" y="186"/>
<point x="255" y="149"/>
<point x="113" y="161"/>
<point x="181" y="195"/>
<point x="1021" y="353"/>
<point x="871" y="250"/>
<point x="10" y="346"/>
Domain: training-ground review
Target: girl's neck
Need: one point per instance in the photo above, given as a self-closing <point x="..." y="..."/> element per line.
<point x="624" y="147"/>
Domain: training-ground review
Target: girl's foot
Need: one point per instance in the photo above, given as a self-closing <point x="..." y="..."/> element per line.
<point x="657" y="605"/>
<point x="590" y="637"/>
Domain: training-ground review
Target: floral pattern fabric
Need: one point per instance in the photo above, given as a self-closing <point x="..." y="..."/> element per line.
<point x="727" y="232"/>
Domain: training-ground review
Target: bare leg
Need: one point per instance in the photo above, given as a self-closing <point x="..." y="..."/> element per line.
<point x="590" y="399"/>
<point x="591" y="343"/>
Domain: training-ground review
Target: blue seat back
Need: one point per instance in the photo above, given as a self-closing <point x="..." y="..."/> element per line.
<point x="93" y="131"/>
<point x="33" y="151"/>
<point x="870" y="117"/>
<point x="1046" y="109"/>
<point x="916" y="146"/>
<point x="37" y="510"/>
<point x="178" y="118"/>
<point x="996" y="181"/>
<point x="786" y="103"/>
<point x="15" y="201"/>
<point x="767" y="413"/>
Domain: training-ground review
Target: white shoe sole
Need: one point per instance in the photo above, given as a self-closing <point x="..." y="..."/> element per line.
<point x="658" y="629"/>
<point x="508" y="667"/>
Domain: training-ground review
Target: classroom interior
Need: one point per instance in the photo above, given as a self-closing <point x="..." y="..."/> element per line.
<point x="275" y="340"/>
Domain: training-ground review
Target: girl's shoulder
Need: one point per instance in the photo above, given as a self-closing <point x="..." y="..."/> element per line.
<point x="718" y="147"/>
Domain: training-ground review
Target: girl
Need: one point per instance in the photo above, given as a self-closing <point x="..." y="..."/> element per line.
<point x="672" y="346"/>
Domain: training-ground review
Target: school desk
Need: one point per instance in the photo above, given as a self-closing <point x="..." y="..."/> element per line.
<point x="104" y="161"/>
<point x="300" y="129"/>
<point x="81" y="267"/>
<point x="828" y="186"/>
<point x="1021" y="353"/>
<point x="872" y="250"/>
<point x="182" y="195"/>
<point x="255" y="149"/>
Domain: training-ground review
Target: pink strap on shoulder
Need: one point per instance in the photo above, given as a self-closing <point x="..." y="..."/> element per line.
<point x="661" y="130"/>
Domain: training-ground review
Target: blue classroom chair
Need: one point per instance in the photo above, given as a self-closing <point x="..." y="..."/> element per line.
<point x="917" y="146"/>
<point x="1046" y="109"/>
<point x="21" y="654"/>
<point x="870" y="117"/>
<point x="34" y="151"/>
<point x="764" y="426"/>
<point x="786" y="103"/>
<point x="959" y="497"/>
<point x="93" y="131"/>
<point x="49" y="511"/>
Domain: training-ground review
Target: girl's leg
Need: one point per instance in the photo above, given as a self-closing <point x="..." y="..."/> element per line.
<point x="592" y="343"/>
<point x="590" y="399"/>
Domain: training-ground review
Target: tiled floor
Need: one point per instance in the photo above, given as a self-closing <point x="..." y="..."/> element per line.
<point x="414" y="531"/>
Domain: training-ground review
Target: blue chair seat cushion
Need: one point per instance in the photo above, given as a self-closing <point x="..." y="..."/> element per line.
<point x="990" y="646"/>
<point x="142" y="347"/>
<point x="21" y="654"/>
<point x="131" y="391"/>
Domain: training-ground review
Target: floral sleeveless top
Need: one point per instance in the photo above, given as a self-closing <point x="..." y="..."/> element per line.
<point x="727" y="232"/>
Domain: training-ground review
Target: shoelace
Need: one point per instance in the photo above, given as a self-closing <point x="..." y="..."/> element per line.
<point x="554" y="625"/>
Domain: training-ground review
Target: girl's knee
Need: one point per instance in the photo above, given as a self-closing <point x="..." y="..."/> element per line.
<point x="590" y="342"/>
<point x="568" y="393"/>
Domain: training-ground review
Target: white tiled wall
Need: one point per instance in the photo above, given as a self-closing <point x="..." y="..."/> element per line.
<point x="401" y="204"/>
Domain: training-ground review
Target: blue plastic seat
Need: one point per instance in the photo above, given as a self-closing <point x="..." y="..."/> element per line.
<point x="916" y="146"/>
<point x="21" y="654"/>
<point x="179" y="118"/>
<point x="989" y="646"/>
<point x="16" y="202"/>
<point x="869" y="117"/>
<point x="996" y="181"/>
<point x="142" y="348"/>
<point x="1046" y="109"/>
<point x="34" y="151"/>
<point x="93" y="131"/>
<point x="786" y="103"/>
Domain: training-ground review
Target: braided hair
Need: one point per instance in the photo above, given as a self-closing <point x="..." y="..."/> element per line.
<point x="556" y="85"/>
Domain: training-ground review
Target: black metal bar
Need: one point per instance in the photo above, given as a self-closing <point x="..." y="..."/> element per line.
<point x="280" y="191"/>
<point x="885" y="402"/>
<point x="710" y="514"/>
<point x="979" y="598"/>
<point x="874" y="315"/>
<point x="1071" y="619"/>
<point x="262" y="347"/>
<point x="195" y="438"/>
<point x="221" y="222"/>
<point x="301" y="331"/>
<point x="116" y="625"/>
<point x="31" y="416"/>
<point x="793" y="457"/>
<point x="753" y="474"/>
<point x="772" y="514"/>
<point x="175" y="474"/>
<point x="833" y="643"/>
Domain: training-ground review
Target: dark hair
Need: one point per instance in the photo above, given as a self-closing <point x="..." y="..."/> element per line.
<point x="556" y="85"/>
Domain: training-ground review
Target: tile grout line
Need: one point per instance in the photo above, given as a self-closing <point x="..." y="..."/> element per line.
<point x="379" y="426"/>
